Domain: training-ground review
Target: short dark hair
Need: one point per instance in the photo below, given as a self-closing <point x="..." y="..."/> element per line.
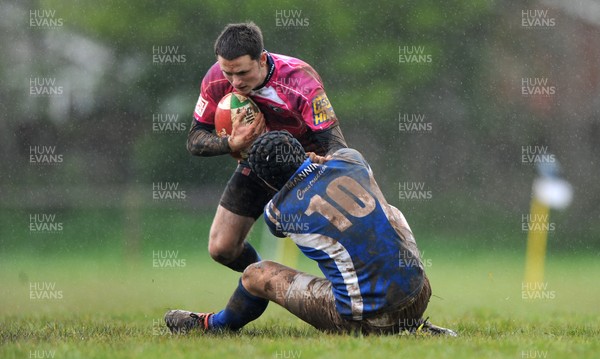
<point x="275" y="156"/>
<point x="238" y="40"/>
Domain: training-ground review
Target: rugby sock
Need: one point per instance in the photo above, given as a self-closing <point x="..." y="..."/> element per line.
<point x="242" y="308"/>
<point x="248" y="256"/>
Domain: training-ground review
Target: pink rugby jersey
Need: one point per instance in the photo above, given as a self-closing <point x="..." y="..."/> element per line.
<point x="292" y="99"/>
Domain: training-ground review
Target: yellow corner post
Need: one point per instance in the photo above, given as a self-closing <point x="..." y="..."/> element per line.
<point x="288" y="252"/>
<point x="537" y="238"/>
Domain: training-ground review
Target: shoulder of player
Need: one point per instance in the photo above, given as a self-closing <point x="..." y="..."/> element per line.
<point x="288" y="66"/>
<point x="215" y="83"/>
<point x="349" y="155"/>
<point x="287" y="60"/>
<point x="214" y="75"/>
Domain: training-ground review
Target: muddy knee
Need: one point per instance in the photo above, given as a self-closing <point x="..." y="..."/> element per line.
<point x="255" y="272"/>
<point x="268" y="279"/>
<point x="256" y="276"/>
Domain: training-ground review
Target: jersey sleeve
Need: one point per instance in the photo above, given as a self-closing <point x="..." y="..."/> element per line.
<point x="209" y="97"/>
<point x="317" y="112"/>
<point x="314" y="105"/>
<point x="272" y="217"/>
<point x="205" y="108"/>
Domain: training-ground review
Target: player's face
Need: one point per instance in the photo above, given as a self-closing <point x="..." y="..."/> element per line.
<point x="243" y="73"/>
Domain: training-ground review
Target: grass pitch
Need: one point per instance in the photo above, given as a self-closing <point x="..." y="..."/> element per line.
<point x="79" y="294"/>
<point x="110" y="307"/>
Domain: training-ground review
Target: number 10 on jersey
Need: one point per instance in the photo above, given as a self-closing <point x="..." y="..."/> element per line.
<point x="349" y="195"/>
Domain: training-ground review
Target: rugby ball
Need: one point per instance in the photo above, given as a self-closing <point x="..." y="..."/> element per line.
<point x="229" y="106"/>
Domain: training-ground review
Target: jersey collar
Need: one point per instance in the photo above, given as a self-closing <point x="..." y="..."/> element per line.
<point x="271" y="65"/>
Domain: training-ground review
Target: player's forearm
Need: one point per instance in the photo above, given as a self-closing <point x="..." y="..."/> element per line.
<point x="331" y="139"/>
<point x="202" y="142"/>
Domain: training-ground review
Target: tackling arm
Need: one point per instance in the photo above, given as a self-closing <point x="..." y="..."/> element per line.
<point x="331" y="139"/>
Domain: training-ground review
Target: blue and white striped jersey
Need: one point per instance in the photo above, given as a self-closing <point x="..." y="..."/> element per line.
<point x="338" y="217"/>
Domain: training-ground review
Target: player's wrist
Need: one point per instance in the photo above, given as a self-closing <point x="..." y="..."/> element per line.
<point x="234" y="144"/>
<point x="226" y="144"/>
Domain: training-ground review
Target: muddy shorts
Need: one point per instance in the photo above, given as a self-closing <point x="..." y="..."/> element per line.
<point x="246" y="194"/>
<point x="311" y="299"/>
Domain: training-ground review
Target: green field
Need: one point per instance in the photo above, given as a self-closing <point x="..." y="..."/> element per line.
<point x="99" y="301"/>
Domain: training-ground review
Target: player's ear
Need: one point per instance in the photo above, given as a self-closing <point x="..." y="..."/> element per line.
<point x="263" y="59"/>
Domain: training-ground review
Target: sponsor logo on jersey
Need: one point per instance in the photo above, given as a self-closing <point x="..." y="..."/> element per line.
<point x="200" y="106"/>
<point x="322" y="110"/>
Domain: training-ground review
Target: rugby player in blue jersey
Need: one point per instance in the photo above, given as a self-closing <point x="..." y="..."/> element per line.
<point x="374" y="280"/>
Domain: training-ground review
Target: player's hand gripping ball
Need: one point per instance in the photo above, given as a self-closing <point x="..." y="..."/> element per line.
<point x="229" y="106"/>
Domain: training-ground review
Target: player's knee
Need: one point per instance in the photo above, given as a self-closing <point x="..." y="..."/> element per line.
<point x="222" y="247"/>
<point x="222" y="252"/>
<point x="254" y="270"/>
<point x="253" y="275"/>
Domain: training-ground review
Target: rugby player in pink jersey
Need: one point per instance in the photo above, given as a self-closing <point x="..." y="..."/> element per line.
<point x="291" y="97"/>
